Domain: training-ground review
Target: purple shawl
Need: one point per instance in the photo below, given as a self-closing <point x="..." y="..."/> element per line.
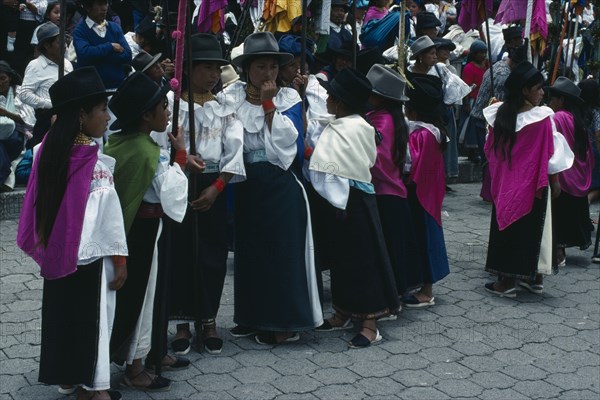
<point x="205" y="15"/>
<point x="516" y="10"/>
<point x="576" y="180"/>
<point x="60" y="257"/>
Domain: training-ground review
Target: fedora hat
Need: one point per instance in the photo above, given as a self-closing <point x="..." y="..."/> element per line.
<point x="5" y="68"/>
<point x="228" y="75"/>
<point x="366" y="58"/>
<point x="340" y="3"/>
<point x="206" y="47"/>
<point x="47" y="30"/>
<point x="261" y="44"/>
<point x="518" y="77"/>
<point x="136" y="95"/>
<point x="427" y="20"/>
<point x="426" y="96"/>
<point x="351" y="87"/>
<point x="143" y="61"/>
<point x="76" y="86"/>
<point x="442" y="43"/>
<point x="387" y="83"/>
<point x="512" y="32"/>
<point x="565" y="87"/>
<point x="590" y="92"/>
<point x="420" y="45"/>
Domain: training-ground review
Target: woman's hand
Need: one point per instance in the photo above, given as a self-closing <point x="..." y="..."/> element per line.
<point x="555" y="189"/>
<point x="268" y="90"/>
<point x="206" y="199"/>
<point x="300" y="81"/>
<point x="178" y="142"/>
<point x="195" y="164"/>
<point x="120" y="277"/>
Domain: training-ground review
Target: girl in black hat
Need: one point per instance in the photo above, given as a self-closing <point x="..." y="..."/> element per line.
<point x="219" y="161"/>
<point x="524" y="154"/>
<point x="148" y="187"/>
<point x="275" y="283"/>
<point x="571" y="211"/>
<point x="424" y="166"/>
<point x="74" y="183"/>
<point x="362" y="281"/>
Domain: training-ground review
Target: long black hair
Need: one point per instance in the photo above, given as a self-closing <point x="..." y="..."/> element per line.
<point x="505" y="124"/>
<point x="582" y="141"/>
<point x="400" y="131"/>
<point x="436" y="120"/>
<point x="53" y="166"/>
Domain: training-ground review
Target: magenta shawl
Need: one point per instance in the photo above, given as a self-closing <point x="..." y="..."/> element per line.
<point x="386" y="176"/>
<point x="516" y="10"/>
<point x="472" y="13"/>
<point x="427" y="171"/>
<point x="576" y="180"/>
<point x="60" y="257"/>
<point x="515" y="184"/>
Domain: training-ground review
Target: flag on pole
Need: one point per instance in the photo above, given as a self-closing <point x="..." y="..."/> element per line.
<point x="211" y="16"/>
<point x="279" y="14"/>
<point x="473" y="12"/>
<point x="516" y="10"/>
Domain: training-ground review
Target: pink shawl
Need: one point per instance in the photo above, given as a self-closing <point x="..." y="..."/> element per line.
<point x="60" y="257"/>
<point x="576" y="180"/>
<point x="472" y="13"/>
<point x="427" y="171"/>
<point x="515" y="184"/>
<point x="516" y="10"/>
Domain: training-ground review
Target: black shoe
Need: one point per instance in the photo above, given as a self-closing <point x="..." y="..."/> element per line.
<point x="179" y="364"/>
<point x="213" y="345"/>
<point x="269" y="339"/>
<point x="114" y="395"/>
<point x="181" y="346"/>
<point x="242" y="331"/>
<point x="596" y="258"/>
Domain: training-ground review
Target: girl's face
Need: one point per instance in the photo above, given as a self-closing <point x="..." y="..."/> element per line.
<point x="480" y="56"/>
<point x="535" y="94"/>
<point x="4" y="82"/>
<point x="443" y="54"/>
<point x="413" y="8"/>
<point x="159" y="116"/>
<point x="556" y="103"/>
<point x="429" y="57"/>
<point x="54" y="14"/>
<point x="205" y="76"/>
<point x="288" y="72"/>
<point x="155" y="72"/>
<point x="94" y="123"/>
<point x="263" y="69"/>
<point x="332" y="105"/>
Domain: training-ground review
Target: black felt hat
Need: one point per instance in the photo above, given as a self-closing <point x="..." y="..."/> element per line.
<point x="441" y="43"/>
<point x="136" y="95"/>
<point x="512" y="32"/>
<point x="351" y="87"/>
<point x="426" y="96"/>
<point x="147" y="28"/>
<point x="427" y="20"/>
<point x="366" y="58"/>
<point x="564" y="87"/>
<point x="340" y="3"/>
<point x="590" y="92"/>
<point x="206" y="47"/>
<point x="519" y="76"/>
<point x="261" y="44"/>
<point x="76" y="86"/>
<point x="143" y="61"/>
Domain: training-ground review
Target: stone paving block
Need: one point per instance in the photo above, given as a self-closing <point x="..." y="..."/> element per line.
<point x="441" y="354"/>
<point x="332" y="376"/>
<point x="502" y="394"/>
<point x="494" y="380"/>
<point x="399" y="346"/>
<point x="179" y="390"/>
<point x="570" y="343"/>
<point x="512" y="357"/>
<point x="295" y="352"/>
<point x="333" y="392"/>
<point x="204" y="395"/>
<point x="214" y="382"/>
<point x="372" y="353"/>
<point x="132" y="394"/>
<point x="22" y="351"/>
<point x="11" y="383"/>
<point x="368" y="369"/>
<point x="579" y="395"/>
<point x="19" y="365"/>
<point x="420" y="393"/>
<point x="590" y="337"/>
<point x="452" y="370"/>
<point x="254" y="391"/>
<point x="543" y="351"/>
<point x="537" y="389"/>
<point x="294" y="367"/>
<point x="217" y="365"/>
<point x="334" y="344"/>
<point x="379" y="386"/>
<point x="38" y="392"/>
<point x="459" y="388"/>
<point x="573" y="381"/>
<point x="328" y="359"/>
<point x="407" y="361"/>
<point x="472" y="348"/>
<point x="255" y="374"/>
<point x="524" y="372"/>
<point x="296" y="384"/>
<point x="256" y="358"/>
<point x="480" y="363"/>
<point x="297" y="396"/>
<point x="410" y="378"/>
<point x="183" y="375"/>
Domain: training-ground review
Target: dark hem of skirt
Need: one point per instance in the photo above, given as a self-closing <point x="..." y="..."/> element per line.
<point x="571" y="223"/>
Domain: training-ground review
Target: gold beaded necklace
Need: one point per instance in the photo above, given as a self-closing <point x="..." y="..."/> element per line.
<point x="252" y="94"/>
<point x="199" y="98"/>
<point x="82" y="139"/>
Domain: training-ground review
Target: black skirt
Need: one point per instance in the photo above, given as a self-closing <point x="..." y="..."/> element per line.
<point x="362" y="282"/>
<point x="71" y="327"/>
<point x="270" y="276"/>
<point x="205" y="276"/>
<point x="400" y="239"/>
<point x="515" y="251"/>
<point x="571" y="224"/>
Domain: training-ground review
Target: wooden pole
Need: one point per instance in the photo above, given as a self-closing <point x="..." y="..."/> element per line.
<point x="527" y="32"/>
<point x="489" y="46"/>
<point x="354" y="34"/>
<point x="304" y="20"/>
<point x="63" y="28"/>
<point x="559" y="51"/>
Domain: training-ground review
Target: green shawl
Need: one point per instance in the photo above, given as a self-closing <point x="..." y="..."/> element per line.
<point x="137" y="157"/>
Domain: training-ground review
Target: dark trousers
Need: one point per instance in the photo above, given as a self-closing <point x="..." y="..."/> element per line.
<point x="10" y="149"/>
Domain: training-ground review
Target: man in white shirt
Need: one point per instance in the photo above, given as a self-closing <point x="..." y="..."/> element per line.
<point x="40" y="74"/>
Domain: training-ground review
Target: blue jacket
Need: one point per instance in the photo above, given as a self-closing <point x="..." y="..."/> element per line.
<point x="92" y="50"/>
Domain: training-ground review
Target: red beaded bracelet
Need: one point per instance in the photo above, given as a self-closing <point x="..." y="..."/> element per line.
<point x="219" y="184"/>
<point x="268" y="105"/>
<point x="181" y="157"/>
<point x="119" y="261"/>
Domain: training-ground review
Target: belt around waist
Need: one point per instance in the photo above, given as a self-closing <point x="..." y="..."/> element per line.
<point x="148" y="210"/>
<point x="256" y="156"/>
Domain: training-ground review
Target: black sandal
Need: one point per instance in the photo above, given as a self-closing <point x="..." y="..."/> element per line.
<point x="158" y="384"/>
<point x="360" y="341"/>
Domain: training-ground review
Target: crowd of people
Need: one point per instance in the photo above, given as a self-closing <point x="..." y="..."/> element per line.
<point x="139" y="185"/>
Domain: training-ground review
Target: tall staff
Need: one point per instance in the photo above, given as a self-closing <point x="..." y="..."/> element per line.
<point x="304" y="20"/>
<point x="489" y="46"/>
<point x="354" y="34"/>
<point x="63" y="28"/>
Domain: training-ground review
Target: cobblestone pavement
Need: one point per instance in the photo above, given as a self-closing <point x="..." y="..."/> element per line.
<point x="469" y="345"/>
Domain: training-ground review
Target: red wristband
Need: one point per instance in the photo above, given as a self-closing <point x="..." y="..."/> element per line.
<point x="308" y="152"/>
<point x="181" y="157"/>
<point x="219" y="184"/>
<point x="119" y="261"/>
<point x="268" y="105"/>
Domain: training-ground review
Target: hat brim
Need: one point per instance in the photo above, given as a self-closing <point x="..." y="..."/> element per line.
<point x="76" y="100"/>
<point x="283" y="58"/>
<point x="220" y="61"/>
<point x="414" y="55"/>
<point x="119" y="123"/>
<point x="151" y="63"/>
<point x="391" y="97"/>
<point x="346" y="98"/>
<point x="449" y="46"/>
<point x="552" y="90"/>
